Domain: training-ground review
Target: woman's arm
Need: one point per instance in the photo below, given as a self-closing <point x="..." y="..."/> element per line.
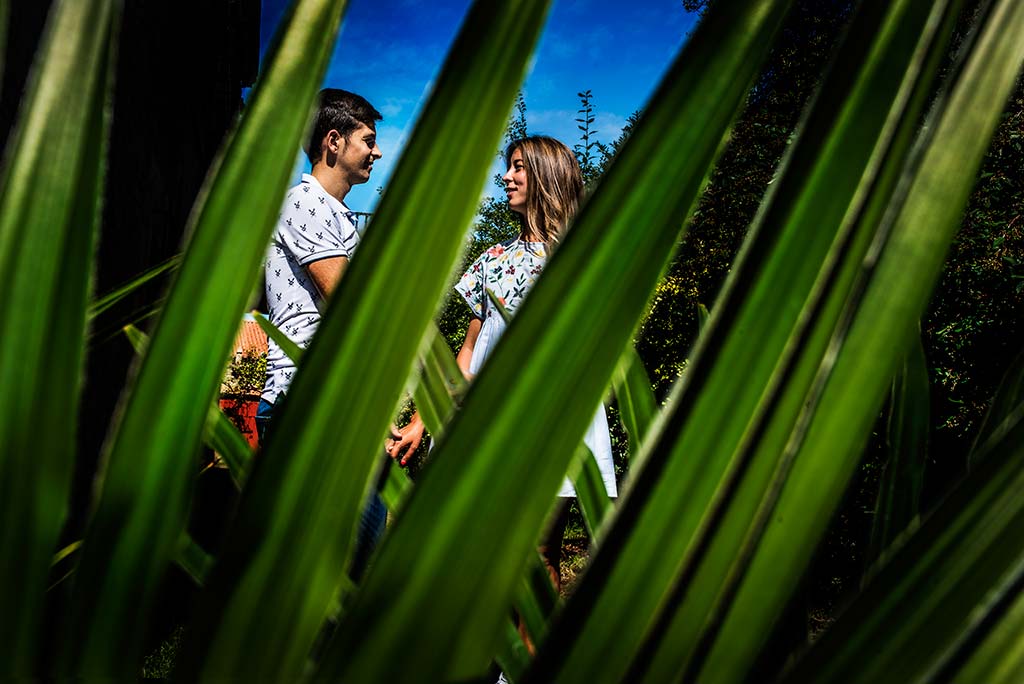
<point x="409" y="437"/>
<point x="465" y="354"/>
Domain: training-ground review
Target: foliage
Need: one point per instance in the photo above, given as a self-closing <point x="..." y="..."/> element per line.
<point x="44" y="321"/>
<point x="587" y="142"/>
<point x="732" y="488"/>
<point x="907" y="432"/>
<point x="738" y="183"/>
<point x="973" y="326"/>
<point x="607" y="151"/>
<point x="245" y="374"/>
<point x="517" y="122"/>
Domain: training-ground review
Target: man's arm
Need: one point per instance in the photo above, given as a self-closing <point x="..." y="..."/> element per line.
<point x="326" y="273"/>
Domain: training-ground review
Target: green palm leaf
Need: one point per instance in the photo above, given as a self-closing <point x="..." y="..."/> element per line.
<point x="942" y="594"/>
<point x="536" y="599"/>
<point x="940" y="180"/>
<point x="1006" y="408"/>
<point x="265" y="603"/>
<point x="999" y="659"/>
<point x="49" y="207"/>
<point x="637" y="405"/>
<point x="396" y="487"/>
<point x="584" y="472"/>
<point x="440" y="383"/>
<point x="508" y="475"/>
<point x="591" y="494"/>
<point x="907" y="429"/>
<point x="288" y="347"/>
<point x="193" y="560"/>
<point x="143" y="503"/>
<point x="108" y="300"/>
<point x="694" y="507"/>
<point x="220" y="434"/>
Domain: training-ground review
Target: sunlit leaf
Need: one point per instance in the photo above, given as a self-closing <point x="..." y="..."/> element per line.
<point x="265" y="604"/>
<point x="704" y="491"/>
<point x="142" y="506"/>
<point x="939" y="596"/>
<point x="49" y="209"/>
<point x="440" y="384"/>
<point x="116" y="295"/>
<point x="509" y="475"/>
<point x="637" y="405"/>
<point x="219" y="433"/>
<point x="943" y="173"/>
<point x="590" y="492"/>
<point x="288" y="347"/>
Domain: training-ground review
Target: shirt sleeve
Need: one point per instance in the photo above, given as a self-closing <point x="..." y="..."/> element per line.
<point x="471" y="287"/>
<point x="311" y="230"/>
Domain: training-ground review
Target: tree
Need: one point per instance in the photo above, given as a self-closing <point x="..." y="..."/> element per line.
<point x="588" y="165"/>
<point x="738" y="182"/>
<point x="973" y="327"/>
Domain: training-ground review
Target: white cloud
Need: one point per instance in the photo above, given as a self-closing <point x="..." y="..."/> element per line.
<point x="393" y="106"/>
<point x="562" y="124"/>
<point x="608" y="126"/>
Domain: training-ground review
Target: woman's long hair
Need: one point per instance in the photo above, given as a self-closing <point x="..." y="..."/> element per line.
<point x="554" y="187"/>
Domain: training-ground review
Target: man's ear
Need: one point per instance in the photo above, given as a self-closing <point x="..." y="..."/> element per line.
<point x="330" y="145"/>
<point x="334" y="142"/>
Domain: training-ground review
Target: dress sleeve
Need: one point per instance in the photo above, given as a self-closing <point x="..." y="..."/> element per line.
<point x="471" y="286"/>
<point x="311" y="230"/>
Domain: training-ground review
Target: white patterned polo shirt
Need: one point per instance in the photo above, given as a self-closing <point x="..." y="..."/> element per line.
<point x="313" y="225"/>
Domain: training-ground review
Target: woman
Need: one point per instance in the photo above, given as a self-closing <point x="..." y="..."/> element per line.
<point x="543" y="185"/>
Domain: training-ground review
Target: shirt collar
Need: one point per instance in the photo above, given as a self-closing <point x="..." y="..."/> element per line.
<point x="339" y="206"/>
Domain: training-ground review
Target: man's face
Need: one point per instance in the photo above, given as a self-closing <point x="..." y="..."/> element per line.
<point x="357" y="154"/>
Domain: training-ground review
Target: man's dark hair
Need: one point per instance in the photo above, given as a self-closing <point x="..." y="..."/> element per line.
<point x="341" y="110"/>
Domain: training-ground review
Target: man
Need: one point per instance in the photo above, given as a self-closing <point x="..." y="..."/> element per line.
<point x="314" y="240"/>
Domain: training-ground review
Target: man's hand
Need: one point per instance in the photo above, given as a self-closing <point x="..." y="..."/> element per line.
<point x="404" y="443"/>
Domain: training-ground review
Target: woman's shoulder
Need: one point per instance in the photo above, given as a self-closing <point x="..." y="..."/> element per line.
<point x="495" y="251"/>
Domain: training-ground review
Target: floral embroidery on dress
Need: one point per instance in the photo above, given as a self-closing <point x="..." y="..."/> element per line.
<point x="508" y="269"/>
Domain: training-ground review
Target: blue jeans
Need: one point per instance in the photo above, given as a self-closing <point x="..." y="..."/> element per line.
<point x="371" y="522"/>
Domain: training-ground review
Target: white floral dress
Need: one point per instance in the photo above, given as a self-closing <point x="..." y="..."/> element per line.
<point x="509" y="270"/>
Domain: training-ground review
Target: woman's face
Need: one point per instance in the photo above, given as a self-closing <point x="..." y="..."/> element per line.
<point x="515" y="183"/>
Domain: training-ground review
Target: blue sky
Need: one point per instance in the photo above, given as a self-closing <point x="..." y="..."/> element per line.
<point x="389" y="51"/>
